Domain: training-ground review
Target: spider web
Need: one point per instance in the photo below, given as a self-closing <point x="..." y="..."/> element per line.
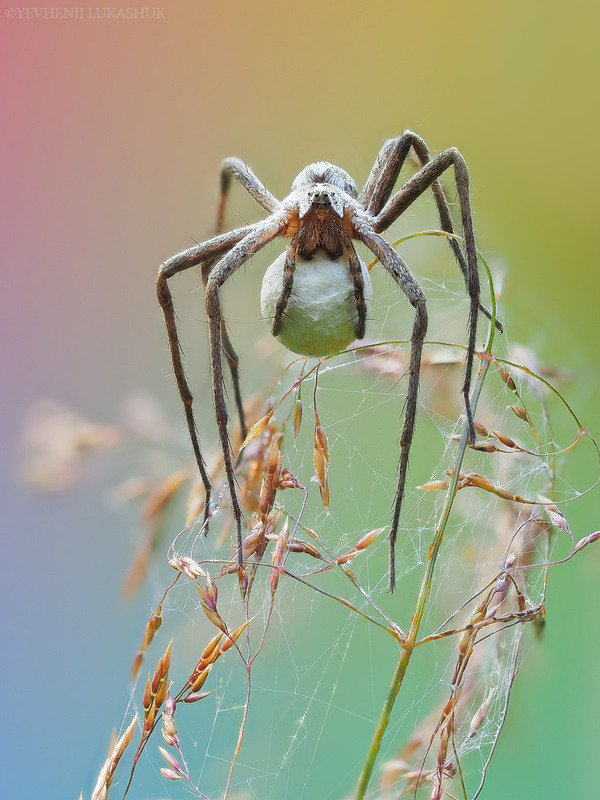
<point x="321" y="652"/>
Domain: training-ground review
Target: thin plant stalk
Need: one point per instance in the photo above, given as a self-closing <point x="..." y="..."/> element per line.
<point x="409" y="643"/>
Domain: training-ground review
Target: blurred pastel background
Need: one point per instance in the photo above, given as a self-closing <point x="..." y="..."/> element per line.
<point x="112" y="137"/>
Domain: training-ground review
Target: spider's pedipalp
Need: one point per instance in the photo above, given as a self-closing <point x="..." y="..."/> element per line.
<point x="362" y="289"/>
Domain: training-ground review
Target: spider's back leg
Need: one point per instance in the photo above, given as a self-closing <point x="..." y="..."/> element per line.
<point x="206" y="252"/>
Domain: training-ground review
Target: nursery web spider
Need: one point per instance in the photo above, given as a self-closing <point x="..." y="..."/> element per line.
<point x="323" y="216"/>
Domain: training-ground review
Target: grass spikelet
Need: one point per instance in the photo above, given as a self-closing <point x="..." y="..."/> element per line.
<point x="433" y="486"/>
<point x="505" y="376"/>
<point x="362" y="544"/>
<point x="152" y="626"/>
<point x="211" y="647"/>
<point x="521" y="413"/>
<point x="278" y="556"/>
<point x="257" y="428"/>
<point x="110" y="765"/>
<point x="321" y="461"/>
<point x="297" y="417"/>
<point x="193" y="697"/>
<point x="232" y="638"/>
<point x="506" y="440"/>
<point x="592" y="537"/>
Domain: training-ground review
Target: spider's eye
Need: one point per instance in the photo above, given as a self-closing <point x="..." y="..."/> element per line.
<point x="320" y="198"/>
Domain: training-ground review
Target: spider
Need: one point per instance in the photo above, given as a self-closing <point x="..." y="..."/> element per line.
<point x="322" y="217"/>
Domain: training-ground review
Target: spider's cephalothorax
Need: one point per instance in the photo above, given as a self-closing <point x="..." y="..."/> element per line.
<point x="322" y="217"/>
<point x="323" y="193"/>
<point x="324" y="172"/>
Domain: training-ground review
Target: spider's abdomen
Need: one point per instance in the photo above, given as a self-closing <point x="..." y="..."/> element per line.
<point x="321" y="314"/>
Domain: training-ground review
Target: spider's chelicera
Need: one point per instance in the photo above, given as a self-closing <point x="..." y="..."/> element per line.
<point x="322" y="218"/>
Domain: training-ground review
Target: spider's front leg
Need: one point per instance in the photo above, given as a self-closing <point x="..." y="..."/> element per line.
<point x="414" y="188"/>
<point x="261" y="234"/>
<point x="392" y="262"/>
<point x="235" y="168"/>
<point x="382" y="179"/>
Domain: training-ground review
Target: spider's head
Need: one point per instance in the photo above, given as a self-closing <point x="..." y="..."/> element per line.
<point x="318" y="185"/>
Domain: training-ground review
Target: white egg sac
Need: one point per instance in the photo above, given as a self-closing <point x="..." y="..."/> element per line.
<point x="320" y="317"/>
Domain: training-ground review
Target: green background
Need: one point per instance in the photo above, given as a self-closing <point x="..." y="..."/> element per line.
<point x="114" y="133"/>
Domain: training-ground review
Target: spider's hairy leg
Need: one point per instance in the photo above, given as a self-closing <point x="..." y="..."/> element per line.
<point x="384" y="173"/>
<point x="414" y="188"/>
<point x="179" y="263"/>
<point x="392" y="262"/>
<point x="380" y="183"/>
<point x="233" y="362"/>
<point x="235" y="168"/>
<point x="259" y="236"/>
<point x="358" y="280"/>
<point x="289" y="269"/>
